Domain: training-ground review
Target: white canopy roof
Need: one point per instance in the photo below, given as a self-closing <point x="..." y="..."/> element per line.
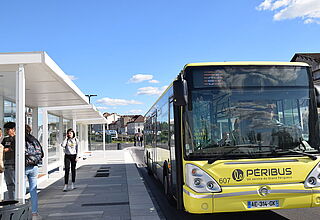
<point x="46" y="86"/>
<point x="84" y="114"/>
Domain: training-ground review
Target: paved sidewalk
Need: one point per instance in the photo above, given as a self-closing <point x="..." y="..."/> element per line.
<point x="118" y="194"/>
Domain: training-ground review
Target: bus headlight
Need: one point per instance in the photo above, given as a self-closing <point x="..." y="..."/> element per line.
<point x="200" y="181"/>
<point x="197" y="182"/>
<point x="313" y="179"/>
<point x="213" y="186"/>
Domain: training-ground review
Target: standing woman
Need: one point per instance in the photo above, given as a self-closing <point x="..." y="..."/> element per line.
<point x="70" y="145"/>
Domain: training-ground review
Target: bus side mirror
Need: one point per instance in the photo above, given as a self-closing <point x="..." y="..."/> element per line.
<point x="180" y="92"/>
<point x="317" y="90"/>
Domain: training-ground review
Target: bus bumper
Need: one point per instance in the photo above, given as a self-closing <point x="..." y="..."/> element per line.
<point x="236" y="199"/>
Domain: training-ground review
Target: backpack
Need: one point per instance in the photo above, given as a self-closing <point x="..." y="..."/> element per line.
<point x="33" y="152"/>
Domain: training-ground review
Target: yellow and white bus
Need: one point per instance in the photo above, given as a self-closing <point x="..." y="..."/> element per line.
<point x="237" y="136"/>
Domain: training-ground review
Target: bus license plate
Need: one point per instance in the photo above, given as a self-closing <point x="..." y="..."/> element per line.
<point x="263" y="204"/>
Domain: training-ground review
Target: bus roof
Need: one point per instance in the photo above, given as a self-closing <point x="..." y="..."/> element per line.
<point x="246" y="63"/>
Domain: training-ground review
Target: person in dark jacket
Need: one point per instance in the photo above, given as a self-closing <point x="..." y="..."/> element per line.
<point x="34" y="155"/>
<point x="9" y="158"/>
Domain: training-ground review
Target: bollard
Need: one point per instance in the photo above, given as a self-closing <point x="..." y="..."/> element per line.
<point x="118" y="146"/>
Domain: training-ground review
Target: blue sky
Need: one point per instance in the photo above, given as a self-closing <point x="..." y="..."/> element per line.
<point x="127" y="51"/>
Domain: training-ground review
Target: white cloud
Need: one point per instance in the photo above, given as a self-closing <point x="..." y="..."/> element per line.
<point x="135" y="111"/>
<point x="151" y="90"/>
<point x="102" y="108"/>
<point x="116" y="102"/>
<point x="153" y="81"/>
<point x="72" y="77"/>
<point x="140" y="78"/>
<point x="307" y="10"/>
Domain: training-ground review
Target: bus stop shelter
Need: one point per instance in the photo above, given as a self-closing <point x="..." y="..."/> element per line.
<point x="34" y="90"/>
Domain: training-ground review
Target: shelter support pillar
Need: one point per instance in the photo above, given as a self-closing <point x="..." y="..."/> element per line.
<point x="20" y="135"/>
<point x="45" y="141"/>
<point x="83" y="142"/>
<point x="60" y="140"/>
<point x="80" y="147"/>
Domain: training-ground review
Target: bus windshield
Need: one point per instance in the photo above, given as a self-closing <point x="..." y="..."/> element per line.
<point x="248" y="112"/>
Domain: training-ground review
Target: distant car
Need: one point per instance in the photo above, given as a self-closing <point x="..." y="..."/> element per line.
<point x="113" y="133"/>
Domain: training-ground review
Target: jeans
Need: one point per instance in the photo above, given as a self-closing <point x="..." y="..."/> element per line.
<point x="70" y="159"/>
<point x="9" y="176"/>
<point x="32" y="175"/>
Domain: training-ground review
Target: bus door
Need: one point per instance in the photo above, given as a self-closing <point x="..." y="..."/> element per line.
<point x="172" y="167"/>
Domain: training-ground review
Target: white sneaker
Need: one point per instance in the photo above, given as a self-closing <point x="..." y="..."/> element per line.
<point x="36" y="217"/>
<point x="73" y="186"/>
<point x="65" y="188"/>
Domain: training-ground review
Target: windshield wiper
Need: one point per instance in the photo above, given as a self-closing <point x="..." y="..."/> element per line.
<point x="212" y="160"/>
<point x="312" y="157"/>
<point x="306" y="146"/>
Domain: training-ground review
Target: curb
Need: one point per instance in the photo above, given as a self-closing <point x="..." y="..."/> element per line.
<point x="141" y="206"/>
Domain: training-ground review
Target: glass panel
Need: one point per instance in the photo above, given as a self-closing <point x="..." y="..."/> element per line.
<point x="163" y="128"/>
<point x="53" y="147"/>
<point x="95" y="137"/>
<point x="148" y="133"/>
<point x="66" y="125"/>
<point x="255" y="121"/>
<point x="29" y="116"/>
<point x="9" y="111"/>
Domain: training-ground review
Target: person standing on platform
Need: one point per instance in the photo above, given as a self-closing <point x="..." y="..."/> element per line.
<point x="9" y="158"/>
<point x="141" y="140"/>
<point x="33" y="155"/>
<point x="70" y="145"/>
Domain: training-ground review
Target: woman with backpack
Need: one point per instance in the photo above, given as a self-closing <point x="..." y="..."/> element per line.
<point x="33" y="157"/>
<point x="70" y="145"/>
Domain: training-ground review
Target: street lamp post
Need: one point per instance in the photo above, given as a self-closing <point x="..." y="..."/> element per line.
<point x="89" y="141"/>
<point x="89" y="96"/>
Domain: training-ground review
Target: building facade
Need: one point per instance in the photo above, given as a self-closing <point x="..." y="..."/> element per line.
<point x="136" y="125"/>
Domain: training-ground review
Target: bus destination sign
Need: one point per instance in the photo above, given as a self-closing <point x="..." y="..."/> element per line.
<point x="212" y="78"/>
